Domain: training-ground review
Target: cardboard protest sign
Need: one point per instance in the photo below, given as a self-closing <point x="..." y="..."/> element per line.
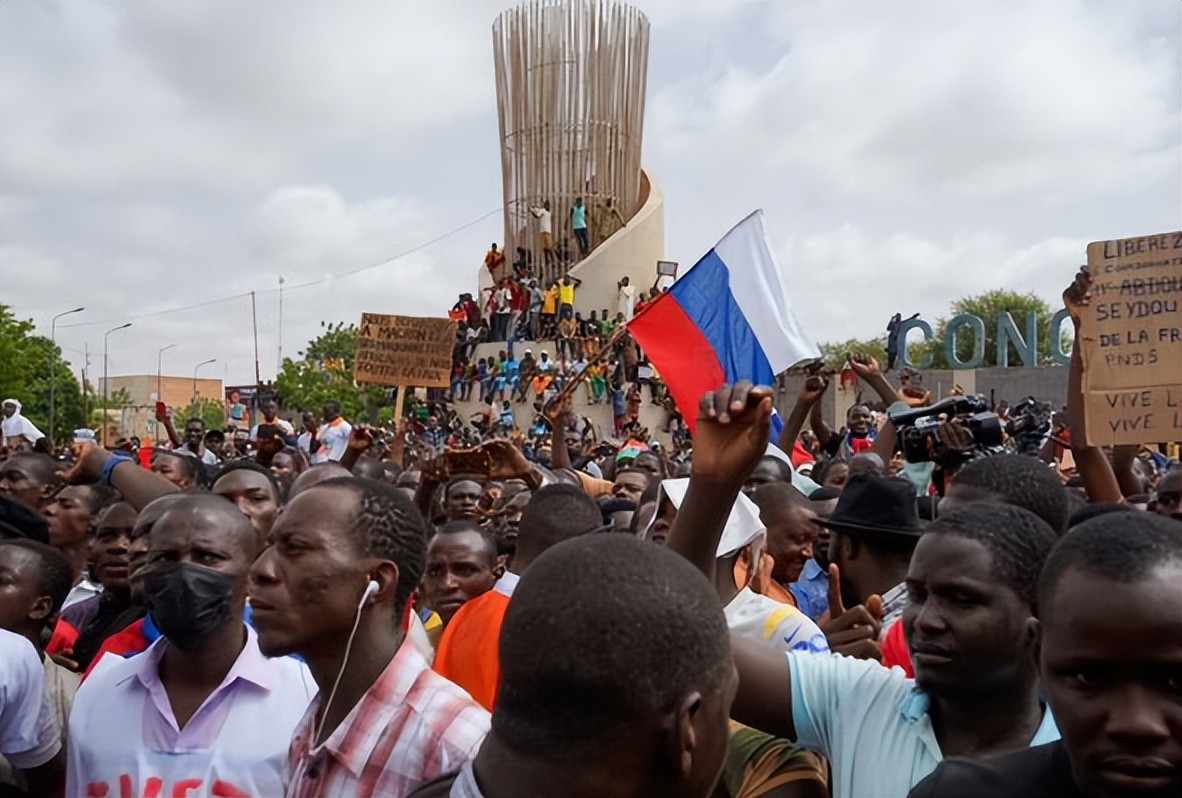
<point x="404" y="350"/>
<point x="1132" y="341"/>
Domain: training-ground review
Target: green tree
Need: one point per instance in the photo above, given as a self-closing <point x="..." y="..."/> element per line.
<point x="114" y="401"/>
<point x="324" y="371"/>
<point x="987" y="306"/>
<point x="211" y="411"/>
<point x="835" y="354"/>
<point x="27" y="361"/>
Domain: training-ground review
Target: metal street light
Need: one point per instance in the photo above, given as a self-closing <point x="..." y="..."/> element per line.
<point x="105" y="387"/>
<point x="199" y="365"/>
<point x="160" y="379"/>
<point x="53" y="363"/>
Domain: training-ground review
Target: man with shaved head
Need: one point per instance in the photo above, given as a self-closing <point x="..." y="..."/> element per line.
<point x="589" y="709"/>
<point x="314" y="475"/>
<point x="202" y="709"/>
<point x="29" y="477"/>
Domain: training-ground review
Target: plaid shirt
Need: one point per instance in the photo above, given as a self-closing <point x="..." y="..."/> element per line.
<point x="411" y="726"/>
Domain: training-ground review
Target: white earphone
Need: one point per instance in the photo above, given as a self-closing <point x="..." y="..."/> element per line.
<point x="371" y="588"/>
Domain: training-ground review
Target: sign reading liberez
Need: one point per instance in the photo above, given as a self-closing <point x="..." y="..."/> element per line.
<point x="1132" y="341"/>
<point x="404" y="350"/>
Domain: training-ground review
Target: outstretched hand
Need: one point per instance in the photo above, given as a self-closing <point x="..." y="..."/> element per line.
<point x="505" y="460"/>
<point x="864" y="366"/>
<point x="88" y="464"/>
<point x="853" y="632"/>
<point x="812" y="390"/>
<point x="732" y="432"/>
<point x="558" y="412"/>
<point x="361" y="438"/>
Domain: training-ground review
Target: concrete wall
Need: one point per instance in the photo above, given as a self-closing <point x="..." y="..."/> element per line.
<point x="652" y="416"/>
<point x="1045" y="383"/>
<point x="175" y="391"/>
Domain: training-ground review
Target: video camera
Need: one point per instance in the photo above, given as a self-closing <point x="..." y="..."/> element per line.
<point x="950" y="432"/>
<point x="1029" y="425"/>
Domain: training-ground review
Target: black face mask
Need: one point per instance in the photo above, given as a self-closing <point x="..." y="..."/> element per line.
<point x="187" y="603"/>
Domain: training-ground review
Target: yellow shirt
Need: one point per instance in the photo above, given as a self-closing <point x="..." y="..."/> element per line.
<point x="550" y="300"/>
<point x="566" y="293"/>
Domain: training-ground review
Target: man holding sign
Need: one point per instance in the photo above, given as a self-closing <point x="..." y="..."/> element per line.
<point x="1131" y="341"/>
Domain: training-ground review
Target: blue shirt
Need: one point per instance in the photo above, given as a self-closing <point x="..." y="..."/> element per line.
<point x="578" y="216"/>
<point x="871" y="722"/>
<point x="618" y="401"/>
<point x="811" y="590"/>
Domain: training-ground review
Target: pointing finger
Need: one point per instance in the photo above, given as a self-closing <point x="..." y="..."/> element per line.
<point x="836" y="608"/>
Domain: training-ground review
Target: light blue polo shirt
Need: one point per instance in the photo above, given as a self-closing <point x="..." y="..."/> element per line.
<point x="871" y="722"/>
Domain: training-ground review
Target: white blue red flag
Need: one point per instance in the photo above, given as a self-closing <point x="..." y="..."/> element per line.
<point x="728" y="318"/>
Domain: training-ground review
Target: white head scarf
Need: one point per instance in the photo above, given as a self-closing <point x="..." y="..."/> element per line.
<point x="743" y="527"/>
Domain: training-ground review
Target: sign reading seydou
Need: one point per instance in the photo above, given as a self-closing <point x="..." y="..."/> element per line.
<point x="404" y="350"/>
<point x="1132" y="341"/>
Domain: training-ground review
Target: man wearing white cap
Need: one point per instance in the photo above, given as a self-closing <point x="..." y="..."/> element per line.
<point x="757" y="617"/>
<point x="16" y="426"/>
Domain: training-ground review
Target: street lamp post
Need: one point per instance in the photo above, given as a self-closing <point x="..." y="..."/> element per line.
<point x="105" y="387"/>
<point x="199" y="365"/>
<point x="53" y="364"/>
<point x="160" y="379"/>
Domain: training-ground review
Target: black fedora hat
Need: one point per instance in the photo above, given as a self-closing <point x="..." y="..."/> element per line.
<point x="876" y="505"/>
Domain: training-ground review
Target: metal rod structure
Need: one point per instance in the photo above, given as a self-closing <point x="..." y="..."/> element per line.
<point x="570" y="78"/>
<point x="53" y="366"/>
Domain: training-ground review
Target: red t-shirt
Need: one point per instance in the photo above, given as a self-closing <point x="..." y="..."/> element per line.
<point x="894" y="649"/>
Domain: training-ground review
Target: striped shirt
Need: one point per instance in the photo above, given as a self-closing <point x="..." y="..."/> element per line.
<point x="411" y="726"/>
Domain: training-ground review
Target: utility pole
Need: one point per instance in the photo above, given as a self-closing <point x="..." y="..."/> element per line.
<point x="254" y="320"/>
<point x="279" y="356"/>
<point x="105" y="336"/>
<point x="53" y="366"/>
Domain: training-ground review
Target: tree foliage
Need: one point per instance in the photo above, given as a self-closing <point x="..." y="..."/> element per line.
<point x="324" y="371"/>
<point x="835" y="354"/>
<point x="27" y="361"/>
<point x="211" y="411"/>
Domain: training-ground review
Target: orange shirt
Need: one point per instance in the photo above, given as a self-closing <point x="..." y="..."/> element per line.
<point x="467" y="651"/>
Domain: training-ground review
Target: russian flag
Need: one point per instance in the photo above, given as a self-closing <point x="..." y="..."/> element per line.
<point x="726" y="319"/>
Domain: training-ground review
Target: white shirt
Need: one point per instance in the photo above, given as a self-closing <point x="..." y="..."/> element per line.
<point x="870" y="722"/>
<point x="626" y="301"/>
<point x="122" y="726"/>
<point x="776" y="625"/>
<point x="334" y="437"/>
<point x="29" y="733"/>
<point x="543" y="216"/>
<point x="286" y="427"/>
<point x="19" y="425"/>
<point x="304" y="442"/>
<point x="82" y="591"/>
<point x="507" y="584"/>
<point x="207" y="457"/>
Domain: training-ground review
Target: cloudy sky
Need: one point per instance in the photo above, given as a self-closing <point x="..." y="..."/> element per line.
<point x="158" y="155"/>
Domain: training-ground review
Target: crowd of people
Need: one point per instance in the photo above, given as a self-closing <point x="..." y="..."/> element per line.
<point x="459" y="608"/>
